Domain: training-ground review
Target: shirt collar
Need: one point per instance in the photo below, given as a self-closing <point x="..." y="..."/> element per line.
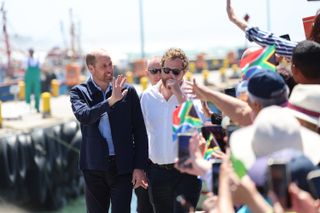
<point x="98" y="88"/>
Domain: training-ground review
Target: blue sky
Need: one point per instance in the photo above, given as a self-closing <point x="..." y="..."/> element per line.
<point x="114" y="24"/>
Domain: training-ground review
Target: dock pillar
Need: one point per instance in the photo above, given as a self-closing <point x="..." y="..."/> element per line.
<point x="46" y="108"/>
<point x="55" y="88"/>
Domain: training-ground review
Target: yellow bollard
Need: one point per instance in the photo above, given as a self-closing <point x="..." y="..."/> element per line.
<point x="222" y="72"/>
<point x="188" y="75"/>
<point x="205" y="75"/>
<point x="235" y="67"/>
<point x="1" y="115"/>
<point x="46" y="108"/>
<point x="22" y="87"/>
<point x="192" y="67"/>
<point x="144" y="83"/>
<point x="55" y="87"/>
<point x="129" y="76"/>
<point x="226" y="63"/>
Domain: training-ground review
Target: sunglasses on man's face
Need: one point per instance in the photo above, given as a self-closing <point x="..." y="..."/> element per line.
<point x="167" y="70"/>
<point x="154" y="71"/>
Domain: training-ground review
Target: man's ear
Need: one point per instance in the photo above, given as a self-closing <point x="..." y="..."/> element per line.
<point x="296" y="73"/>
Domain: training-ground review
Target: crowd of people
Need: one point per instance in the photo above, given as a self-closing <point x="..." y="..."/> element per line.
<point x="270" y="162"/>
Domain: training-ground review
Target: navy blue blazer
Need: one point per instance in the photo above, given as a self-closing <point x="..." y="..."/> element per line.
<point x="127" y="127"/>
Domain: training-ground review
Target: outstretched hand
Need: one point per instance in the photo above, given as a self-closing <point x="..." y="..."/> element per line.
<point x="117" y="86"/>
<point x="196" y="90"/>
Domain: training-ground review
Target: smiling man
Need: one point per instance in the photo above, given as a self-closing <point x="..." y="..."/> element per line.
<point x="114" y="147"/>
<point x="158" y="103"/>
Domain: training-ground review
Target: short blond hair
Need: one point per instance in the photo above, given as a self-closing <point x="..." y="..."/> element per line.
<point x="174" y="53"/>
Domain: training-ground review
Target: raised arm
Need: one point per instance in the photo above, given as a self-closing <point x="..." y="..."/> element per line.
<point x="238" y="110"/>
<point x="262" y="38"/>
<point x="241" y="23"/>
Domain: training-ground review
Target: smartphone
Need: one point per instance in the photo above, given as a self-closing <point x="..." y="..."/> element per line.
<point x="313" y="179"/>
<point x="213" y="108"/>
<point x="230" y="91"/>
<point x="183" y="149"/>
<point x="215" y="175"/>
<point x="218" y="134"/>
<point x="278" y="181"/>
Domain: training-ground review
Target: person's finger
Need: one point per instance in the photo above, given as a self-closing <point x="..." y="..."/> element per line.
<point x="123" y="81"/>
<point x="144" y="184"/>
<point x="188" y="83"/>
<point x="293" y="188"/>
<point x="276" y="204"/>
<point x="113" y="82"/>
<point x="137" y="183"/>
<point x="133" y="182"/>
<point x="216" y="154"/>
<point x="189" y="92"/>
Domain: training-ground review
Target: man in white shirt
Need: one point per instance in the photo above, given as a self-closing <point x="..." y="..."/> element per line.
<point x="154" y="75"/>
<point x="158" y="103"/>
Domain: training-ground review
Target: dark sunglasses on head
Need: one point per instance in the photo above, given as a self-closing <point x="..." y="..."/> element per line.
<point x="154" y="71"/>
<point x="167" y="70"/>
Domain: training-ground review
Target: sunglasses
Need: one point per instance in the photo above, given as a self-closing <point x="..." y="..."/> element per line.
<point x="154" y="71"/>
<point x="167" y="70"/>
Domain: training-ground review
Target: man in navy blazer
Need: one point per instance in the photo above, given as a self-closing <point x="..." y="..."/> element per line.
<point x="114" y="148"/>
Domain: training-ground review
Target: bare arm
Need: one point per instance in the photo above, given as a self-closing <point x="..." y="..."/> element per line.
<point x="254" y="34"/>
<point x="242" y="24"/>
<point x="238" y="110"/>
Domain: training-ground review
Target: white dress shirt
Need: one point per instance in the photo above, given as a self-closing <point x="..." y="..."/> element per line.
<point x="157" y="113"/>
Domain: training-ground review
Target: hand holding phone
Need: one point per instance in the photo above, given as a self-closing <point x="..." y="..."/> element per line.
<point x="183" y="149"/>
<point x="215" y="175"/>
<point x="278" y="181"/>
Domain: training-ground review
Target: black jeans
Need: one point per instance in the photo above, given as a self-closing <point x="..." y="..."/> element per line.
<point x="167" y="185"/>
<point x="103" y="186"/>
<point x="143" y="201"/>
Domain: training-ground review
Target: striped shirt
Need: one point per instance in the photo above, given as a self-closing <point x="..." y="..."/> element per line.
<point x="283" y="46"/>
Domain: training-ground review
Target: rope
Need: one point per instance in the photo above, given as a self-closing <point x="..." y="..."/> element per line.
<point x="64" y="143"/>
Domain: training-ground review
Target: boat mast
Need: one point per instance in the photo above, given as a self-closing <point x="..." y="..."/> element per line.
<point x="72" y="35"/>
<point x="6" y="40"/>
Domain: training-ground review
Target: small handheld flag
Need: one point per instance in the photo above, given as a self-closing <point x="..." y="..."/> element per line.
<point x="185" y="117"/>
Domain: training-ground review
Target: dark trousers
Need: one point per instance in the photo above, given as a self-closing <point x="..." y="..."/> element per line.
<point x="103" y="186"/>
<point x="167" y="186"/>
<point x="143" y="204"/>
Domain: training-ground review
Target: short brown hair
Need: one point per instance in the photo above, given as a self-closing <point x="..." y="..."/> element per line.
<point x="91" y="59"/>
<point x="174" y="53"/>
